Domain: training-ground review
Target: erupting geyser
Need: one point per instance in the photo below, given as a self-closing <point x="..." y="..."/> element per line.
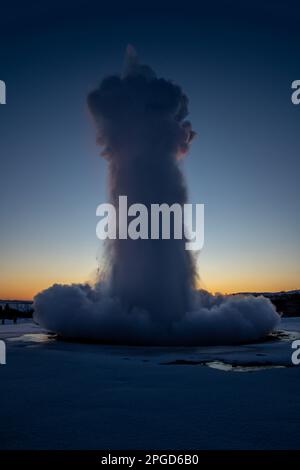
<point x="147" y="293"/>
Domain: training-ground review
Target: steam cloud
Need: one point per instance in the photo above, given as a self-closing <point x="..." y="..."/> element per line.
<point x="146" y="294"/>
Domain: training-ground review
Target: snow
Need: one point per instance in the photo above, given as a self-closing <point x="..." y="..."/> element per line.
<point x="11" y="329"/>
<point x="59" y="395"/>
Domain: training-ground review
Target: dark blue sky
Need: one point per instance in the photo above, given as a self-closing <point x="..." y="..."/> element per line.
<point x="235" y="62"/>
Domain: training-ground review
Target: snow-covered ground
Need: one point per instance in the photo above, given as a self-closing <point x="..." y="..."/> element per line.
<point x="58" y="395"/>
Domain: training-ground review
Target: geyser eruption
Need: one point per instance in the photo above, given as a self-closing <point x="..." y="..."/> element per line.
<point x="141" y="127"/>
<point x="147" y="293"/>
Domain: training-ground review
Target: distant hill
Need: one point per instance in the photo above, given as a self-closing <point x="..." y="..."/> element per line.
<point x="287" y="303"/>
<point x="20" y="305"/>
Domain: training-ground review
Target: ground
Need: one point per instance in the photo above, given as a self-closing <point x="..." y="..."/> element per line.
<point x="57" y="395"/>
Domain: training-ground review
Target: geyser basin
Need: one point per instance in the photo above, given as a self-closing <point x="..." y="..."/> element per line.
<point x="147" y="294"/>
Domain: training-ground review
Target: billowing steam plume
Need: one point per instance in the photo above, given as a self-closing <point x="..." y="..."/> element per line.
<point x="147" y="294"/>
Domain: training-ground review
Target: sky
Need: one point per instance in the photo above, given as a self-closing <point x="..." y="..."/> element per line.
<point x="235" y="62"/>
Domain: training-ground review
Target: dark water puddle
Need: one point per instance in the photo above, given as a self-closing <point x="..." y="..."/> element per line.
<point x="227" y="366"/>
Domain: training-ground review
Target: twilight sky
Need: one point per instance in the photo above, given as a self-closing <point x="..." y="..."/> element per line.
<point x="235" y="63"/>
